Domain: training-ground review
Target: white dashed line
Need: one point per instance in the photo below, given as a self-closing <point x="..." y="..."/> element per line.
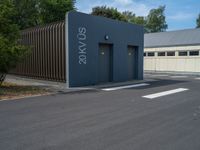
<point x="179" y="76"/>
<point x="197" y="78"/>
<point x="156" y="95"/>
<point x="160" y="75"/>
<point x="125" y="87"/>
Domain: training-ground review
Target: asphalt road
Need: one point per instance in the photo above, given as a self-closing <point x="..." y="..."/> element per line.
<point x="106" y="120"/>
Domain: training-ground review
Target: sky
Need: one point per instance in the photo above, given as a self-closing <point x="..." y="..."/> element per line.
<point x="180" y="14"/>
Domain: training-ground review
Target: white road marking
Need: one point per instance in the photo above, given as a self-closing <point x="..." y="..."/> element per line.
<point x="147" y="74"/>
<point x="197" y="78"/>
<point x="156" y="95"/>
<point x="179" y="76"/>
<point x="160" y="75"/>
<point x="125" y="87"/>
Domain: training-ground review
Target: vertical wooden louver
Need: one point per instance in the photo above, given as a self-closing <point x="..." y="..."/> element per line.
<point x="47" y="58"/>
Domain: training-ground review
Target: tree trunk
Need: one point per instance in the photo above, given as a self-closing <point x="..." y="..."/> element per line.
<point x="2" y="78"/>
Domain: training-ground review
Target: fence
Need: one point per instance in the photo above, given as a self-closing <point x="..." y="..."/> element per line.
<point x="47" y="58"/>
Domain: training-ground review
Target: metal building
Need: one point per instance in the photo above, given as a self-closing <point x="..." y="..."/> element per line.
<point x="94" y="50"/>
<point x="173" y="51"/>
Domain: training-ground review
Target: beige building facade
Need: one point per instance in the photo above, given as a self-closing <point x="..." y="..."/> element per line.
<point x="174" y="52"/>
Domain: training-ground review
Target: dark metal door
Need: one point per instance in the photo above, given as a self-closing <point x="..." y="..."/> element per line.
<point x="131" y="62"/>
<point x="104" y="63"/>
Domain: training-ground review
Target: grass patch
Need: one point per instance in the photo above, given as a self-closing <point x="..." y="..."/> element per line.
<point x="10" y="90"/>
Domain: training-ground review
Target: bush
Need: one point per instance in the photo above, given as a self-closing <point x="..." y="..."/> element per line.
<point x="10" y="55"/>
<point x="11" y="52"/>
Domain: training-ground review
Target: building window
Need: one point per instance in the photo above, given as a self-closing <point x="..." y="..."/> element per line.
<point x="150" y="54"/>
<point x="170" y="53"/>
<point x="183" y="53"/>
<point x="194" y="53"/>
<point x="145" y="54"/>
<point x="161" y="53"/>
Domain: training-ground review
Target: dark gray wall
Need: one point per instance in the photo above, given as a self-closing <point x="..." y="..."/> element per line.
<point x="85" y="32"/>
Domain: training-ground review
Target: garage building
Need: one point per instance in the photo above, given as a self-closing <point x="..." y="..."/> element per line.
<point x="84" y="50"/>
<point x="173" y="51"/>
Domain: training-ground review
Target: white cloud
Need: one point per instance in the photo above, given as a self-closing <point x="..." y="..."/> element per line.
<point x="124" y="2"/>
<point x="138" y="8"/>
<point x="181" y="16"/>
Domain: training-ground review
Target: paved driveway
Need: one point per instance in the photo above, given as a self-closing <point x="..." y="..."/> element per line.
<point x="116" y="119"/>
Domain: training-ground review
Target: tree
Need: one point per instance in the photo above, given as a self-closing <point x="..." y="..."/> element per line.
<point x="129" y="16"/>
<point x="31" y="13"/>
<point x="108" y="12"/>
<point x="198" y="21"/>
<point x="55" y="10"/>
<point x="132" y="18"/>
<point x="27" y="13"/>
<point x="156" y="20"/>
<point x="140" y="20"/>
<point x="10" y="51"/>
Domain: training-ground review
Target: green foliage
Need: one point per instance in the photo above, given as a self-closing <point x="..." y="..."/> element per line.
<point x="156" y="20"/>
<point x="7" y="28"/>
<point x="55" y="10"/>
<point x="108" y="12"/>
<point x="132" y="18"/>
<point x="140" y="20"/>
<point x="10" y="54"/>
<point x="27" y="13"/>
<point x="129" y="16"/>
<point x="31" y="13"/>
<point x="10" y="51"/>
<point x="198" y="21"/>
